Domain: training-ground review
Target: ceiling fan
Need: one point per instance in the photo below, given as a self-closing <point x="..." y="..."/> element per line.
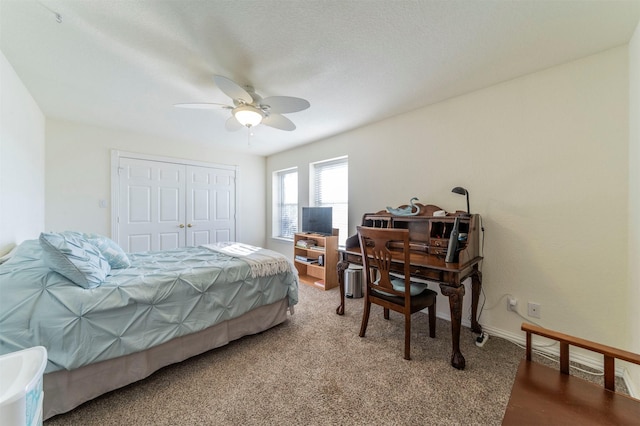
<point x="249" y="109"/>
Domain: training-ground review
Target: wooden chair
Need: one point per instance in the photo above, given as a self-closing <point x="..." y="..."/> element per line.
<point x="381" y="246"/>
<point x="544" y="395"/>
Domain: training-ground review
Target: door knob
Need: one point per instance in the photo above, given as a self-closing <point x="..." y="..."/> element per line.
<point x="181" y="225"/>
<point x="189" y="225"/>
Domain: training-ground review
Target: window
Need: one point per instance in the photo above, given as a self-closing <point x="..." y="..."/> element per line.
<point x="330" y="188"/>
<point x="285" y="208"/>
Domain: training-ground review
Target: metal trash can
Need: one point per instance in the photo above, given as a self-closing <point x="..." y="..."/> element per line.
<point x="353" y="282"/>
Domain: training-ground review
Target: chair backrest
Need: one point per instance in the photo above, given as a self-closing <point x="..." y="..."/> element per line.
<point x="379" y="247"/>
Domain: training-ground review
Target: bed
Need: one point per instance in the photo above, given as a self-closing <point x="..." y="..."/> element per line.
<point x="156" y="309"/>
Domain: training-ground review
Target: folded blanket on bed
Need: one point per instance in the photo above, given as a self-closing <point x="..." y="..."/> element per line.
<point x="263" y="262"/>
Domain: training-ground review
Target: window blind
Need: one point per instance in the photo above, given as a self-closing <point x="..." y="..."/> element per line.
<point x="331" y="189"/>
<point x="286" y="209"/>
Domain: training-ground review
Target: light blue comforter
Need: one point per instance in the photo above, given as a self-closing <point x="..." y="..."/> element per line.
<point x="163" y="295"/>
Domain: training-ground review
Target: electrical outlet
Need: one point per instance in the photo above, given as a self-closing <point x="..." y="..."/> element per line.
<point x="512" y="304"/>
<point x="534" y="310"/>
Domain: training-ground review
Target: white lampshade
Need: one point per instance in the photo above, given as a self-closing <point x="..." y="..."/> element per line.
<point x="248" y="115"/>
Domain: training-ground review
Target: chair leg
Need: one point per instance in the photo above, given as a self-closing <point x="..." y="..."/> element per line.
<point x="386" y="313"/>
<point x="407" y="335"/>
<point x="365" y="318"/>
<point x="432" y="320"/>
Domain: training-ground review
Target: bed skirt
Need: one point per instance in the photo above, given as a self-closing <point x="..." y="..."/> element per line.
<point x="64" y="390"/>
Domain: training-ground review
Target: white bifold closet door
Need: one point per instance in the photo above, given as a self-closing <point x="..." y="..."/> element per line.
<point x="164" y="205"/>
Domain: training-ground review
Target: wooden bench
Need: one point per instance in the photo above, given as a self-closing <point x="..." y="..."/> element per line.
<point x="543" y="395"/>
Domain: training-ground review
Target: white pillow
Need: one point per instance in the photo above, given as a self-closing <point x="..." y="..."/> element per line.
<point x="75" y="258"/>
<point x="8" y="255"/>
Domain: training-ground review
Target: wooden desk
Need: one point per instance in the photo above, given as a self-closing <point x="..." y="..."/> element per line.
<point x="429" y="239"/>
<point x="433" y="268"/>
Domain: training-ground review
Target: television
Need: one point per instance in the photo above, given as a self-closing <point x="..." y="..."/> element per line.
<point x="317" y="220"/>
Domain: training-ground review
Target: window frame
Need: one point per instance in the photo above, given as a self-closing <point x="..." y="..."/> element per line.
<point x="279" y="204"/>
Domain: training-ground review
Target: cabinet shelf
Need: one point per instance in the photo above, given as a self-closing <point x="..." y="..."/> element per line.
<point x="323" y="276"/>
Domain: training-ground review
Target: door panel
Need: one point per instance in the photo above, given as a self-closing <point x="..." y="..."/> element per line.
<point x="170" y="204"/>
<point x="201" y="204"/>
<point x="223" y="235"/>
<point x="171" y="240"/>
<point x="151" y="207"/>
<point x="210" y="212"/>
<point x="139" y="204"/>
<point x="201" y="237"/>
<point x="137" y="243"/>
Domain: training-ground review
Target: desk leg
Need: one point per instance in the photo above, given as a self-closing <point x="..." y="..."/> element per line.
<point x="476" y="287"/>
<point x="455" y="295"/>
<point x="342" y="266"/>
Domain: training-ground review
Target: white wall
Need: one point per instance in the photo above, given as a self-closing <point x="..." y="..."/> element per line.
<point x="22" y="130"/>
<point x="544" y="158"/>
<point x="78" y="176"/>
<point x="634" y="202"/>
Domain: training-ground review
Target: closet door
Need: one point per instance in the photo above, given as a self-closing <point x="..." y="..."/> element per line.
<point x="210" y="205"/>
<point x="151" y="208"/>
<point x="161" y="204"/>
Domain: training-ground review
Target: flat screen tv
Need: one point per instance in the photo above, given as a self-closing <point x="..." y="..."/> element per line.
<point x="317" y="220"/>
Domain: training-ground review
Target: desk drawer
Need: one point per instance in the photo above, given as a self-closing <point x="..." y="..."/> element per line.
<point x="438" y="251"/>
<point x="426" y="274"/>
<point x="353" y="258"/>
<point x="439" y="242"/>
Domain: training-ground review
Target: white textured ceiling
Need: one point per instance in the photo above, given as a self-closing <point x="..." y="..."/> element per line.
<point x="124" y="64"/>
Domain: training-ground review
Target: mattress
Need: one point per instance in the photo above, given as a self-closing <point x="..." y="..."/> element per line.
<point x="162" y="296"/>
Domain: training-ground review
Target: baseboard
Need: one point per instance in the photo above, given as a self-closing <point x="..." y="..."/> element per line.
<point x="447" y="317"/>
<point x="633" y="392"/>
<point x="595" y="361"/>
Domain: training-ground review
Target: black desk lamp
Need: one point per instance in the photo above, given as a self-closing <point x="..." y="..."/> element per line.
<point x="460" y="190"/>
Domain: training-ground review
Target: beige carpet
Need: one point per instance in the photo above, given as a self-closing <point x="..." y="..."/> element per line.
<point x="315" y="370"/>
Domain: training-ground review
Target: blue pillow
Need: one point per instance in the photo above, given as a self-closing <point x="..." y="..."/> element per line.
<point x="415" y="288"/>
<point x="111" y="251"/>
<point x="75" y="258"/>
<point x="398" y="285"/>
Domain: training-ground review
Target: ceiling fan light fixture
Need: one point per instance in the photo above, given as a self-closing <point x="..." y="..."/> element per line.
<point x="248" y="115"/>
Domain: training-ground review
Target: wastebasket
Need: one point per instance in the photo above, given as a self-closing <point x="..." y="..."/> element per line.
<point x="353" y="282"/>
<point x="21" y="393"/>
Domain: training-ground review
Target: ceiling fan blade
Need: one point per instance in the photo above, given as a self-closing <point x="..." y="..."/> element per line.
<point x="203" y="106"/>
<point x="279" y="122"/>
<point x="285" y="104"/>
<point x="232" y="89"/>
<point x="233" y="125"/>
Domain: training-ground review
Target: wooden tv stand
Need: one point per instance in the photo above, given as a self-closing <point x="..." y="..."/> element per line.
<point x="310" y="272"/>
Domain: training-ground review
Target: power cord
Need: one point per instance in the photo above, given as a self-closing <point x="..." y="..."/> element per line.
<point x="555" y="358"/>
<point x="484" y="336"/>
<point x="536" y="349"/>
<point x="482" y="229"/>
